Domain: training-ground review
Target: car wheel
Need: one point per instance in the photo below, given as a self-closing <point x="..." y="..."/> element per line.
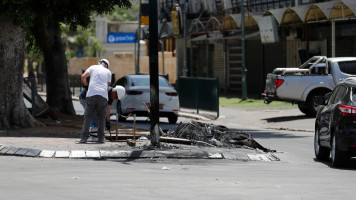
<point x="312" y="108"/>
<point x="321" y="153"/>
<point x="338" y="158"/>
<point x="302" y="107"/>
<point x="172" y="119"/>
<point x="119" y="111"/>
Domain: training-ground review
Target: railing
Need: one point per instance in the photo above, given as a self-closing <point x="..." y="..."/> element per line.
<point x="199" y="93"/>
<point x="75" y="83"/>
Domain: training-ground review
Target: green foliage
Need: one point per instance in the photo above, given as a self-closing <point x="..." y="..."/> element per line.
<point x="81" y="39"/>
<point x="123" y="14"/>
<point x="75" y="13"/>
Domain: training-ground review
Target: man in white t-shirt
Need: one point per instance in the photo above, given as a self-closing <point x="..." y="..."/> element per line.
<point x="96" y="98"/>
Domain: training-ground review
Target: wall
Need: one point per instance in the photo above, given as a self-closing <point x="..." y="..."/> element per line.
<point x="124" y="63"/>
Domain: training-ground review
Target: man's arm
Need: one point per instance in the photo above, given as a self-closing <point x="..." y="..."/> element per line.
<point x="84" y="78"/>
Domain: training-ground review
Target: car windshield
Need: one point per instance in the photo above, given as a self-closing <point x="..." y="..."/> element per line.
<point x="145" y="81"/>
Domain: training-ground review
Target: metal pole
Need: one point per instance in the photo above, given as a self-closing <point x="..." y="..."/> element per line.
<point x="138" y="41"/>
<point x="153" y="56"/>
<point x="244" y="70"/>
<point x="332" y="38"/>
<point x="33" y="94"/>
<point x="191" y="59"/>
<point x="207" y="57"/>
<point x="185" y="68"/>
<point x="162" y="50"/>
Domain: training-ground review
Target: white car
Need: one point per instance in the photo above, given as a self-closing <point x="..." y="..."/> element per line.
<point x="138" y="93"/>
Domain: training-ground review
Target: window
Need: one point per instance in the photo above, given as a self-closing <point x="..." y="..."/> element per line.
<point x="218" y="4"/>
<point x="338" y="94"/>
<point x="333" y="95"/>
<point x="353" y="95"/>
<point x="145" y="81"/>
<point x="348" y="67"/>
<point x="122" y="82"/>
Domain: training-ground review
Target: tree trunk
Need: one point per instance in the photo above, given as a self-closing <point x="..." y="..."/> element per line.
<point x="12" y="54"/>
<point x="59" y="96"/>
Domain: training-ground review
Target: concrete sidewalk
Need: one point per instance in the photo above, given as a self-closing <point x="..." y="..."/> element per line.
<point x="62" y="145"/>
<point x="65" y="145"/>
<point x="55" y="147"/>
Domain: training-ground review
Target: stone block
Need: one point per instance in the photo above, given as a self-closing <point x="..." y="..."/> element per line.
<point x="22" y="151"/>
<point x="2" y="147"/>
<point x="115" y="154"/>
<point x="4" y="150"/>
<point x="12" y="150"/>
<point x="47" y="153"/>
<point x="92" y="154"/>
<point x="77" y="154"/>
<point x="33" y="153"/>
<point x="62" y="154"/>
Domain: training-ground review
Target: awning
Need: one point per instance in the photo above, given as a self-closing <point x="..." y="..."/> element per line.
<point x="319" y="11"/>
<point x="343" y="9"/>
<point x="277" y="14"/>
<point x="295" y="14"/>
<point x="196" y="26"/>
<point x="233" y="21"/>
<point x="219" y="36"/>
<point x="213" y="24"/>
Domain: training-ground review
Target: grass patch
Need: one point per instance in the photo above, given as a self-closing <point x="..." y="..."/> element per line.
<point x="254" y="104"/>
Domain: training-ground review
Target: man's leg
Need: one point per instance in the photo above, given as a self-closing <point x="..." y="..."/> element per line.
<point x="88" y="114"/>
<point x="101" y="114"/>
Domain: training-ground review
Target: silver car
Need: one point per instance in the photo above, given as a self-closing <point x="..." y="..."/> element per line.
<point x="138" y="94"/>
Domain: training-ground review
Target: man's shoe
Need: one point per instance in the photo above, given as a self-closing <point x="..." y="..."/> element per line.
<point x="83" y="140"/>
<point x="101" y="140"/>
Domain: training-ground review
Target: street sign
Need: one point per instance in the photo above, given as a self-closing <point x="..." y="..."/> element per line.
<point x="121" y="37"/>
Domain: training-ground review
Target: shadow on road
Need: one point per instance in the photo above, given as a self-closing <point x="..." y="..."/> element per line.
<point x="286" y="118"/>
<point x="349" y="165"/>
<point x="262" y="134"/>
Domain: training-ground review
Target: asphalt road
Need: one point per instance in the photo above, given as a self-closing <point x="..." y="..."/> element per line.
<point x="297" y="176"/>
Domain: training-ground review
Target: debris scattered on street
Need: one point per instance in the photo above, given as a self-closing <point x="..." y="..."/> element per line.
<point x="215" y="136"/>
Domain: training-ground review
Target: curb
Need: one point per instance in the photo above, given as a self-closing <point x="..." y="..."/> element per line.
<point x="133" y="154"/>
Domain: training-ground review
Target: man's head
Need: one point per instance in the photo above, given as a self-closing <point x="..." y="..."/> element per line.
<point x="105" y="63"/>
<point x="118" y="92"/>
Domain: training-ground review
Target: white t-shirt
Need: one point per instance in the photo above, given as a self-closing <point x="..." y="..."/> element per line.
<point x="99" y="78"/>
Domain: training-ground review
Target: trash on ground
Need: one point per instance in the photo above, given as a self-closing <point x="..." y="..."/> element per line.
<point x="215" y="136"/>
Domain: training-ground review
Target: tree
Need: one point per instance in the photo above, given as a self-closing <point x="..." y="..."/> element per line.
<point x="41" y="20"/>
<point x="47" y="34"/>
<point x="124" y="15"/>
<point x="13" y="111"/>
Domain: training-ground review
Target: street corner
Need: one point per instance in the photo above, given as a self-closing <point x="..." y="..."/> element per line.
<point x="148" y="153"/>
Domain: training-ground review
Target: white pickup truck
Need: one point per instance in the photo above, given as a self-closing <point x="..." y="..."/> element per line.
<point x="316" y="77"/>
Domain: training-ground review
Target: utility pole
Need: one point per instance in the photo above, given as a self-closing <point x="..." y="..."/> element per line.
<point x="244" y="70"/>
<point x="185" y="68"/>
<point x="153" y="54"/>
<point x="138" y="40"/>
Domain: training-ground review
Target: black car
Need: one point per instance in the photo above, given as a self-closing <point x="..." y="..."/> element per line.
<point x="335" y="124"/>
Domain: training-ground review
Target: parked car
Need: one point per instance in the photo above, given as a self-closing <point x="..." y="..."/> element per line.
<point x="316" y="77"/>
<point x="138" y="93"/>
<point x="335" y="124"/>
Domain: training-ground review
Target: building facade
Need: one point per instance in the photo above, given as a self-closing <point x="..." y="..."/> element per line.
<point x="278" y="33"/>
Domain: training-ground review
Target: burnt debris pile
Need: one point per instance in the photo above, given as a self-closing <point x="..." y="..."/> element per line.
<point x="215" y="135"/>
